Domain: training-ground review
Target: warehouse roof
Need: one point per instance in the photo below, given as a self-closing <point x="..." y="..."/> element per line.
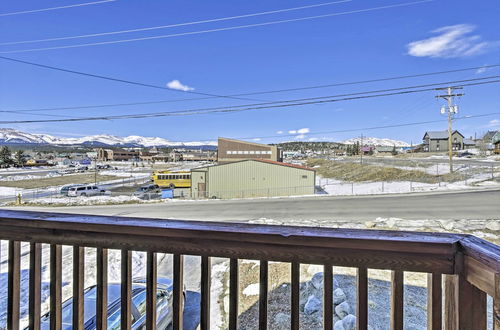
<point x="262" y="161"/>
<point x="284" y="164"/>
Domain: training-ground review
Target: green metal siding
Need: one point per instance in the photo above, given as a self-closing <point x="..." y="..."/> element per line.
<point x="256" y="179"/>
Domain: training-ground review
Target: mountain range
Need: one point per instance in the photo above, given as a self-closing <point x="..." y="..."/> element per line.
<point x="12" y="136"/>
<point x="373" y="141"/>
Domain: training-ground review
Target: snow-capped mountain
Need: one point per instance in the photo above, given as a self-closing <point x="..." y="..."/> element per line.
<point x="373" y="141"/>
<point x="11" y="136"/>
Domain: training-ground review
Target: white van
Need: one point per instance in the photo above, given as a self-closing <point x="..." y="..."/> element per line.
<point x="85" y="190"/>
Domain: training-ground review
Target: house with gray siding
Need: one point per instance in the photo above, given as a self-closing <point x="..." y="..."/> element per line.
<point x="436" y="141"/>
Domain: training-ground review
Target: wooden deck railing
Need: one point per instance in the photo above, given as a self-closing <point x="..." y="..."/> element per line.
<point x="470" y="266"/>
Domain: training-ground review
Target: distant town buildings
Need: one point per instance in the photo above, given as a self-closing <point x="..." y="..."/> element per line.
<point x="116" y="154"/>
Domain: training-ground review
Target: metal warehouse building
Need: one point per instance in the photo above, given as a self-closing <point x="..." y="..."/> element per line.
<point x="252" y="178"/>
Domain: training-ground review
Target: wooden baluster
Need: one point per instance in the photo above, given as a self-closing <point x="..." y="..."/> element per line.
<point x="126" y="289"/>
<point x="206" y="278"/>
<point x="327" y="297"/>
<point x="465" y="305"/>
<point x="151" y="288"/>
<point x="263" y="291"/>
<point x="233" y="294"/>
<point x="178" y="299"/>
<point x="496" y="303"/>
<point x="102" y="288"/>
<point x="55" y="287"/>
<point x="397" y="281"/>
<point x="78" y="286"/>
<point x="14" y="279"/>
<point x="362" y="299"/>
<point x="434" y="302"/>
<point x="295" y="296"/>
<point x="35" y="285"/>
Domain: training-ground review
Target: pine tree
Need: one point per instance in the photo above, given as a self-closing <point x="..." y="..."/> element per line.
<point x="19" y="158"/>
<point x="5" y="157"/>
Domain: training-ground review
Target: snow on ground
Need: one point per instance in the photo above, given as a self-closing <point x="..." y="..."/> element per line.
<point x="123" y="173"/>
<point x="138" y="264"/>
<point x="83" y="200"/>
<point x="339" y="188"/>
<point x="252" y="290"/>
<point x="30" y="176"/>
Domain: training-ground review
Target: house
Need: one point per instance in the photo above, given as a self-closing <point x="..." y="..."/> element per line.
<point x="496" y="142"/>
<point x="252" y="178"/>
<point x="436" y="141"/>
<point x="469" y="143"/>
<point x="367" y="150"/>
<point x="230" y="150"/>
<point x="385" y="149"/>
<point x="487" y="140"/>
<point x="488" y="137"/>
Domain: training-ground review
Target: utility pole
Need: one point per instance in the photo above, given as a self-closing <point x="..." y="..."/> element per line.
<point x="361" y="150"/>
<point x="450" y="110"/>
<point x="95" y="171"/>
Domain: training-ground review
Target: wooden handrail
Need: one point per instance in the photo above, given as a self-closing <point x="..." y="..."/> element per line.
<point x="471" y="265"/>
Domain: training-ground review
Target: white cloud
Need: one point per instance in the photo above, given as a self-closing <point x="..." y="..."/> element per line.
<point x="300" y="137"/>
<point x="176" y="84"/>
<point x="303" y="130"/>
<point x="279" y="132"/>
<point x="481" y="70"/>
<point x="494" y="123"/>
<point x="313" y="139"/>
<point x="451" y="41"/>
<point x="299" y="131"/>
<point x="257" y="139"/>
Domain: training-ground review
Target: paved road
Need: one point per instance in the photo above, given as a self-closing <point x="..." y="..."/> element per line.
<point x="457" y="205"/>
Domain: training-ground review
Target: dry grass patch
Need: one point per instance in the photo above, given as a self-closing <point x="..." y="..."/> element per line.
<point x="58" y="181"/>
<point x="354" y="172"/>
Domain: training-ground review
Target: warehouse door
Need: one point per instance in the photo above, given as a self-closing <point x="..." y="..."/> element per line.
<point x="201" y="190"/>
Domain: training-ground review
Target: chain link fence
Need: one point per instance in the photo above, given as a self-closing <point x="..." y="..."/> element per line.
<point x="465" y="176"/>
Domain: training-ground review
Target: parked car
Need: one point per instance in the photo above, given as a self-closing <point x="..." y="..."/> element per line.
<point x="86" y="190"/>
<point x="82" y="168"/>
<point x="466" y="154"/>
<point x="64" y="190"/>
<point x="163" y="306"/>
<point x="104" y="167"/>
<point x="148" y="191"/>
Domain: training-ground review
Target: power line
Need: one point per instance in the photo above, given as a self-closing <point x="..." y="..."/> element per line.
<point x="130" y="82"/>
<point x="372" y="127"/>
<point x="232" y="109"/>
<point x="204" y="98"/>
<point x="218" y="29"/>
<point x="175" y="25"/>
<point x="55" y="8"/>
<point x="387" y="90"/>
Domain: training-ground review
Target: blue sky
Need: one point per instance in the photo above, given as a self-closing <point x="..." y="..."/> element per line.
<point x="425" y="37"/>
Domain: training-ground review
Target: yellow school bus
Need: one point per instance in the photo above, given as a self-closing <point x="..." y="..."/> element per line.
<point x="168" y="179"/>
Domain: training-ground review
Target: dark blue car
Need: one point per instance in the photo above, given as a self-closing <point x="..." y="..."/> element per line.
<point x="163" y="306"/>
